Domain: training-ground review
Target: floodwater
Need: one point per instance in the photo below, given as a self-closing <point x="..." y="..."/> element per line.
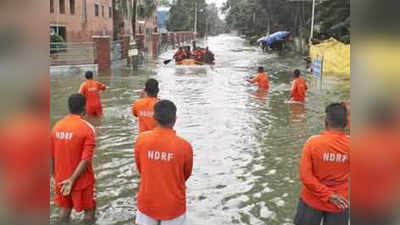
<point x="246" y="142"/>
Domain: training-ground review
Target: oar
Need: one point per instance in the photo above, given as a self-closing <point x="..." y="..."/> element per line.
<point x="167" y="61"/>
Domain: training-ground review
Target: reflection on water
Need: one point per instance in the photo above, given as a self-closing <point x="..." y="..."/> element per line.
<point x="246" y="141"/>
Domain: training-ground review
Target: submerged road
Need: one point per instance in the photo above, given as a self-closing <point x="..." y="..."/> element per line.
<point x="246" y="143"/>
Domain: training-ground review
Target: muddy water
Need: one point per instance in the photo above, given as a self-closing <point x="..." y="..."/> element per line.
<point x="246" y="143"/>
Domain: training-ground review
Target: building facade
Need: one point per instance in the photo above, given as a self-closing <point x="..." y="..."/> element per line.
<point x="79" y="20"/>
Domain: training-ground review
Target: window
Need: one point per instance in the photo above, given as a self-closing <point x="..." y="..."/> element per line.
<point x="62" y="6"/>
<point x="96" y="10"/>
<point x="102" y="11"/>
<point x="110" y="13"/>
<point x="72" y="7"/>
<point x="52" y="6"/>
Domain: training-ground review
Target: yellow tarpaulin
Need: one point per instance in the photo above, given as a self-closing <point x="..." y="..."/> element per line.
<point x="336" y="57"/>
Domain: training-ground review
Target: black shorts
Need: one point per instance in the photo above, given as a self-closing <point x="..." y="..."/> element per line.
<point x="306" y="215"/>
<point x="373" y="218"/>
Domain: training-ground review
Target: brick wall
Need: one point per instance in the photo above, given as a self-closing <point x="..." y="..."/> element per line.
<point x="79" y="29"/>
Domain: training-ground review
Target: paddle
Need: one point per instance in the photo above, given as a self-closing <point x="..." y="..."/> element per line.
<point x="167" y="61"/>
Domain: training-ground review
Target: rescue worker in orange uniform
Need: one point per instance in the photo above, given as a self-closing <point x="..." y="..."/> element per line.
<point x="143" y="109"/>
<point x="261" y="79"/>
<point x="179" y="55"/>
<point x="91" y="90"/>
<point x="72" y="145"/>
<point x="299" y="88"/>
<point x="198" y="54"/>
<point x="164" y="162"/>
<point x="324" y="173"/>
<point x="375" y="164"/>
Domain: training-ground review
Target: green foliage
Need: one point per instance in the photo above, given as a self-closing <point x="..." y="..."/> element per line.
<point x="214" y="24"/>
<point x="182" y="16"/>
<point x="335" y="24"/>
<point x="257" y="17"/>
<point x="164" y="3"/>
<point x="146" y="8"/>
<point x="121" y="6"/>
<point x="56" y="44"/>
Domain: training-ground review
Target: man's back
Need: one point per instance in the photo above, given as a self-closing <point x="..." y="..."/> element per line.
<point x="91" y="89"/>
<point x="72" y="140"/>
<point x="325" y="168"/>
<point x="299" y="89"/>
<point x="262" y="80"/>
<point x="143" y="109"/>
<point x="164" y="161"/>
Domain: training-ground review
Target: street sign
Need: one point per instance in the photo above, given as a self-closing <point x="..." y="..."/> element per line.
<point x="133" y="52"/>
<point x="317" y="67"/>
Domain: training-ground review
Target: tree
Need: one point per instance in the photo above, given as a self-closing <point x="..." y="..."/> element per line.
<point x="214" y="24"/>
<point x="146" y="8"/>
<point x="260" y="17"/>
<point x="182" y="16"/>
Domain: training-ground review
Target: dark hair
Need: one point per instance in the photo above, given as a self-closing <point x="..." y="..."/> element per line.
<point x="151" y="87"/>
<point x="296" y="73"/>
<point x="260" y="69"/>
<point x="76" y="103"/>
<point x="165" y="112"/>
<point x="336" y="115"/>
<point x="89" y="75"/>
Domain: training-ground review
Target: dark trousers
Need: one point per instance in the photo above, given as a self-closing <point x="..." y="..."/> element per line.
<point x="306" y="215"/>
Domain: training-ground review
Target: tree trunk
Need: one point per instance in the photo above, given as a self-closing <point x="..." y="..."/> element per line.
<point x="134" y="10"/>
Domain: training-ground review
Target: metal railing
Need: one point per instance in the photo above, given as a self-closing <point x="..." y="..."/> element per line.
<point x="72" y="53"/>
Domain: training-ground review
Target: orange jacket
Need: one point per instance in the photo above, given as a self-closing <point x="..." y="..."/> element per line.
<point x="73" y="140"/>
<point x="164" y="162"/>
<point x="143" y="109"/>
<point x="375" y="166"/>
<point x="324" y="169"/>
<point x="262" y="80"/>
<point x="299" y="88"/>
<point x="91" y="89"/>
<point x="179" y="55"/>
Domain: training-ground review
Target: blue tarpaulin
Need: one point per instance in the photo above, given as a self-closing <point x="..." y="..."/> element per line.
<point x="275" y="37"/>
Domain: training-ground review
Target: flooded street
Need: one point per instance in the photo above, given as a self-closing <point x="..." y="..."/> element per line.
<point x="246" y="143"/>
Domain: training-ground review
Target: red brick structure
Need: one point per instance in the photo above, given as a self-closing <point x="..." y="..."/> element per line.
<point x="155" y="43"/>
<point x="79" y="20"/>
<point x="140" y="41"/>
<point x="103" y="52"/>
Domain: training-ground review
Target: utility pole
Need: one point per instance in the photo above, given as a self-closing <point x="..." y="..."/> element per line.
<point x="312" y="22"/>
<point x="195" y="18"/>
<point x="133" y="19"/>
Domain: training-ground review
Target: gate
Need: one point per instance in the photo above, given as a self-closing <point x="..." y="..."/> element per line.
<point x="72" y="53"/>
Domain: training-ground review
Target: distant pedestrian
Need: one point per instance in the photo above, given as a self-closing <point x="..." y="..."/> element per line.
<point x="299" y="88"/>
<point x="261" y="79"/>
<point x="208" y="56"/>
<point x="324" y="173"/>
<point x="91" y="90"/>
<point x="164" y="162"/>
<point x="143" y="108"/>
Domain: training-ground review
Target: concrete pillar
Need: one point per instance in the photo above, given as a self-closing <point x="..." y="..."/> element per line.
<point x="155" y="37"/>
<point x="140" y="41"/>
<point x="103" y="52"/>
<point x="177" y="39"/>
<point x="172" y="39"/>
<point x="181" y="38"/>
<point x="125" y="45"/>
